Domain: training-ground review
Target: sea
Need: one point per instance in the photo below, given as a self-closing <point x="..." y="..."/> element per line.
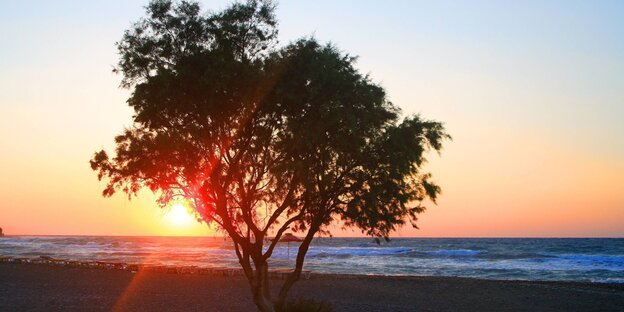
<point x="553" y="259"/>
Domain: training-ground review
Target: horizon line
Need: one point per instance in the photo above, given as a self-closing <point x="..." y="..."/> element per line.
<point x="349" y="237"/>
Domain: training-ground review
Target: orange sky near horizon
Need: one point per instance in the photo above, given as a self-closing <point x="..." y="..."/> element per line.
<point x="533" y="96"/>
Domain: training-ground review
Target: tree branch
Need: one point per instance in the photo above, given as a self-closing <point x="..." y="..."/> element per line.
<point x="285" y="204"/>
<point x="279" y="233"/>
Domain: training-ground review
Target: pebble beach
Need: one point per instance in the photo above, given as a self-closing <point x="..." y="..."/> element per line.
<point x="45" y="284"/>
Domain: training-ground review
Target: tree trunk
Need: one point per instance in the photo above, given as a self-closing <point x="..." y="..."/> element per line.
<point x="294" y="276"/>
<point x="260" y="288"/>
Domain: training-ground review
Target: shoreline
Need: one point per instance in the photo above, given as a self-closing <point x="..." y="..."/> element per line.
<point x="37" y="287"/>
<point x="278" y="273"/>
<point x="584" y="260"/>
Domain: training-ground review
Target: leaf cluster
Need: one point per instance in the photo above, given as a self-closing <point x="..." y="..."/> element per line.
<point x="259" y="137"/>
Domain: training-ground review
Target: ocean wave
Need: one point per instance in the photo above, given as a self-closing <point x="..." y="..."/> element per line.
<point x="609" y="280"/>
<point x="599" y="260"/>
<point x="342" y="252"/>
<point x="585" y="258"/>
<point x="451" y="252"/>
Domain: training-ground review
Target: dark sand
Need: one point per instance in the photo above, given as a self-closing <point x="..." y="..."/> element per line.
<point x="25" y="287"/>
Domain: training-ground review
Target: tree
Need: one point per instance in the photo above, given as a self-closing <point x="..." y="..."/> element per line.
<point x="261" y="139"/>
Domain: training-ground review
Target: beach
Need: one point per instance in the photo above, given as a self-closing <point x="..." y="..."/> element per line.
<point x="29" y="287"/>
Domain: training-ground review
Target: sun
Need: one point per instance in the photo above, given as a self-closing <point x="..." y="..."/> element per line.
<point x="179" y="215"/>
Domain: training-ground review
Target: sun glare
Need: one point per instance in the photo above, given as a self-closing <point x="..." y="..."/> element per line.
<point x="179" y="215"/>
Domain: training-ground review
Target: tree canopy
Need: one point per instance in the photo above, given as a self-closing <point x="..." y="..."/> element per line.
<point x="261" y="138"/>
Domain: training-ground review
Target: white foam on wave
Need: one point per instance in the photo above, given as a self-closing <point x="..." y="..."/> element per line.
<point x="455" y="252"/>
<point x="281" y="252"/>
<point x="609" y="280"/>
<point x="596" y="258"/>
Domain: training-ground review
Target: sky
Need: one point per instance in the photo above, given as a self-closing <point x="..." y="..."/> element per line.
<point x="531" y="91"/>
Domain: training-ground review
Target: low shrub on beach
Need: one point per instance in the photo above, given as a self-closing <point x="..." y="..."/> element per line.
<point x="306" y="305"/>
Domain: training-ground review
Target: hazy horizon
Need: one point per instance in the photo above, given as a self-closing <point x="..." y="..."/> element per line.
<point x="336" y="236"/>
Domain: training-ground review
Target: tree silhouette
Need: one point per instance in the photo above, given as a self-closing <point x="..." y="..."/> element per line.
<point x="262" y="139"/>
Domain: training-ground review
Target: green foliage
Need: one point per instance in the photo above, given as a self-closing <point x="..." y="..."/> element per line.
<point x="306" y="305"/>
